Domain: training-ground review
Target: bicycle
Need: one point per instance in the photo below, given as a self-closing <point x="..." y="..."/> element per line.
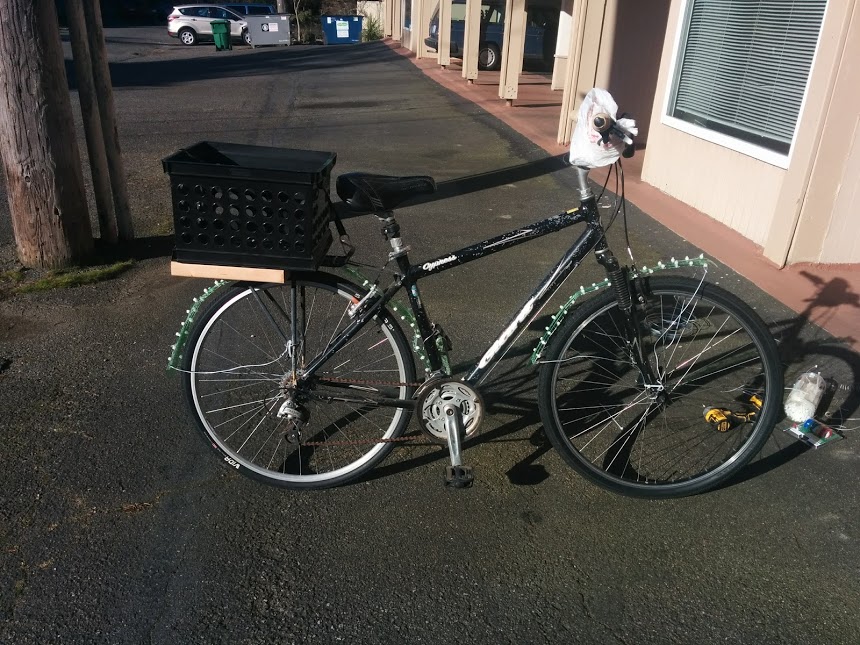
<point x="658" y="386"/>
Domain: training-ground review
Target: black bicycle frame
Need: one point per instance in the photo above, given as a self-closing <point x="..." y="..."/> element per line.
<point x="591" y="238"/>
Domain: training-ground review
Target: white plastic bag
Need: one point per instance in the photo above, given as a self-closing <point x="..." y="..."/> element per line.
<point x="586" y="145"/>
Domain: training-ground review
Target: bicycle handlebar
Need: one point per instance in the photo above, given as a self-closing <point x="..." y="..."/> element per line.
<point x="607" y="126"/>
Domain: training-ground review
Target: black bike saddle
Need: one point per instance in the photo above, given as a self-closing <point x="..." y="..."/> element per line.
<point x="366" y="193"/>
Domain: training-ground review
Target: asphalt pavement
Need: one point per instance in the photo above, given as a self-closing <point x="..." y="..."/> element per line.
<point x="119" y="525"/>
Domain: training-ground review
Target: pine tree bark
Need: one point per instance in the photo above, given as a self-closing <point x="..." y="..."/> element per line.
<point x="38" y="144"/>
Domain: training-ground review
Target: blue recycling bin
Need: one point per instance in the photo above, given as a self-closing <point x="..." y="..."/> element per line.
<point x="341" y="29"/>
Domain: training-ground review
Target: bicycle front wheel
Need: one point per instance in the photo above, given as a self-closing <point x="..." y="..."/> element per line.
<point x="715" y="400"/>
<point x="239" y="372"/>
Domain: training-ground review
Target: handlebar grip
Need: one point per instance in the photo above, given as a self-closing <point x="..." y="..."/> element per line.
<point x="602" y="122"/>
<point x="605" y="125"/>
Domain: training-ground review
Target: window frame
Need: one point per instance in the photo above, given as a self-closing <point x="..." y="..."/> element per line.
<point x="772" y="157"/>
<point x="213" y="13"/>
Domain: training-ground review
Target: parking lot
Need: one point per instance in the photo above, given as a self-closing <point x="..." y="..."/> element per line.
<point x="119" y="525"/>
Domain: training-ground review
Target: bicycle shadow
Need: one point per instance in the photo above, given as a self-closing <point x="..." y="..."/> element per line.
<point x="803" y="345"/>
<point x="512" y="393"/>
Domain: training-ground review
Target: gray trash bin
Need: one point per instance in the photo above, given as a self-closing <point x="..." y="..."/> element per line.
<point x="270" y="30"/>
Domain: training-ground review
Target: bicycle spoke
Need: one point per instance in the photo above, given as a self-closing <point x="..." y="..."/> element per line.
<point x="634" y="435"/>
<point x="320" y="440"/>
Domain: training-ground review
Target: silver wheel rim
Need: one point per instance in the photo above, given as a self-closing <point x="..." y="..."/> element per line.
<point x="272" y="474"/>
<point x="487" y="57"/>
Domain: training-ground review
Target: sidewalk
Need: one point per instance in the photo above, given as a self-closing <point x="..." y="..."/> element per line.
<point x="833" y="291"/>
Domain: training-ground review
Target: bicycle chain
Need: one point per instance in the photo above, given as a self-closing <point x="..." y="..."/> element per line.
<point x="361" y="442"/>
<point x="359" y="382"/>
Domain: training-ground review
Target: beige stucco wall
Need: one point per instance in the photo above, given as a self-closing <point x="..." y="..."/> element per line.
<point x="829" y="215"/>
<point x="806" y="212"/>
<point x="842" y="242"/>
<point x="630" y="53"/>
<point x="562" y="44"/>
<point x="734" y="189"/>
<point x="731" y="187"/>
<point x="615" y="45"/>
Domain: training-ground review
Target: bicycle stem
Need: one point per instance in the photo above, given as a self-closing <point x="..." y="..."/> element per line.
<point x="584" y="188"/>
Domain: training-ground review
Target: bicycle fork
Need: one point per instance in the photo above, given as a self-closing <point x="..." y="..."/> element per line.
<point x="619" y="279"/>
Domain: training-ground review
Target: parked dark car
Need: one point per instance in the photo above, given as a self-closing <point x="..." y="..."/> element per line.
<point x="541" y="32"/>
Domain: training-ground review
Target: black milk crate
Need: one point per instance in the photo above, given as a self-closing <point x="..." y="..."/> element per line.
<point x="250" y="206"/>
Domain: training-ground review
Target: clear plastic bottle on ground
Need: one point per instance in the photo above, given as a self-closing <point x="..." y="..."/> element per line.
<point x="805" y="396"/>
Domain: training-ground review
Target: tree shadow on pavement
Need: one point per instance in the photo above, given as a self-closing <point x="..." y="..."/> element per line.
<point x="222" y="66"/>
<point x="478" y="182"/>
<point x="140" y="248"/>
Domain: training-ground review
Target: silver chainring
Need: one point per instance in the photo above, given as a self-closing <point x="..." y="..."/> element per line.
<point x="431" y="401"/>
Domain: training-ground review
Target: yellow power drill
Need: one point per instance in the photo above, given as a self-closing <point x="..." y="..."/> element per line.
<point x="724" y="419"/>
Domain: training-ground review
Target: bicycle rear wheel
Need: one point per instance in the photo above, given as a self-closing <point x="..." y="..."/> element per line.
<point x="717" y="397"/>
<point x="238" y="378"/>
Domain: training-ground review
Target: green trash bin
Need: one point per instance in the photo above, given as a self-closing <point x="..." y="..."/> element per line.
<point x="221" y="34"/>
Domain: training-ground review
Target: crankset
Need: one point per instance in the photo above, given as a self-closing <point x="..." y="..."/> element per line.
<point x="436" y="395"/>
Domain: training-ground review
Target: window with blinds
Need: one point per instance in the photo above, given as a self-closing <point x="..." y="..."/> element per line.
<point x="743" y="67"/>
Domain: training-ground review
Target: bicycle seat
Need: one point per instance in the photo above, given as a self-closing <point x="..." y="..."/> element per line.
<point x="366" y="193"/>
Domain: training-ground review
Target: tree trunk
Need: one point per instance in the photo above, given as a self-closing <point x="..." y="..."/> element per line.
<point x="92" y="122"/>
<point x="107" y="112"/>
<point x="297" y="6"/>
<point x="38" y="144"/>
<point x="282" y="6"/>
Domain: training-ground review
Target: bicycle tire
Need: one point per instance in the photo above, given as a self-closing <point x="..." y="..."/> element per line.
<point x="236" y="371"/>
<point x="708" y="349"/>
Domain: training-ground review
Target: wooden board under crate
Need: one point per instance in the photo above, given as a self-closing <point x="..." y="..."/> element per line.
<point x="219" y="272"/>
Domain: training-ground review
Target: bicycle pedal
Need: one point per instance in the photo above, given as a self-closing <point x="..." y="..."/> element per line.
<point x="459" y="476"/>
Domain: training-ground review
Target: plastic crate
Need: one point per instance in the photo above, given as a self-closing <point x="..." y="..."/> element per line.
<point x="250" y="206"/>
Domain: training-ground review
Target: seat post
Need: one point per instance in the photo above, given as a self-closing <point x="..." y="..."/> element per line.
<point x="391" y="231"/>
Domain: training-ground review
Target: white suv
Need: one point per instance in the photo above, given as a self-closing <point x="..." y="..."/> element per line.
<point x="193" y="22"/>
